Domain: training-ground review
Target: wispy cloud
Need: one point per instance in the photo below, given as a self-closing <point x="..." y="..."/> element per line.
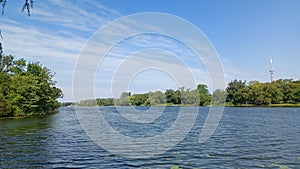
<point x="58" y="30"/>
<point x="85" y="16"/>
<point x="55" y="34"/>
<point x="25" y="42"/>
<point x="123" y="41"/>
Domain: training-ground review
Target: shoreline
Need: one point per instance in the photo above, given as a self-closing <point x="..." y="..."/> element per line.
<point x="193" y="105"/>
<point x="272" y="105"/>
<point x="29" y="115"/>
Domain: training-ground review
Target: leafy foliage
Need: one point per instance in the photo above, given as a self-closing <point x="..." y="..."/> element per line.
<point x="156" y="98"/>
<point x="105" y="102"/>
<point x="199" y="96"/>
<point x="277" y="92"/>
<point x="5" y="62"/>
<point x="231" y="90"/>
<point x="238" y="92"/>
<point x="218" y="97"/>
<point x="28" y="5"/>
<point x="26" y="88"/>
<point x="203" y="94"/>
<point x="138" y="99"/>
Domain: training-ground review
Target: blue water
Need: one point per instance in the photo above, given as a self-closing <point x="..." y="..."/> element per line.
<point x="245" y="138"/>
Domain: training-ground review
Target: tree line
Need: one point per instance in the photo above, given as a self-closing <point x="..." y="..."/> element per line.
<point x="282" y="91"/>
<point x="181" y="96"/>
<point x="237" y="93"/>
<point x="26" y="88"/>
<point x="198" y="97"/>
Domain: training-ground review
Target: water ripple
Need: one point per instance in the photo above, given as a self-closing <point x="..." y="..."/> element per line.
<point x="245" y="138"/>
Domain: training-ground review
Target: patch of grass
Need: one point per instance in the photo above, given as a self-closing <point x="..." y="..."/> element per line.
<point x="265" y="105"/>
<point x="286" y="105"/>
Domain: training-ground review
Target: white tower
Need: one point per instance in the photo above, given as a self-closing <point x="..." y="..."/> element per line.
<point x="271" y="70"/>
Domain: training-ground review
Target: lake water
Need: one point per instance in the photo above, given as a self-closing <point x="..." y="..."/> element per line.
<point x="245" y="138"/>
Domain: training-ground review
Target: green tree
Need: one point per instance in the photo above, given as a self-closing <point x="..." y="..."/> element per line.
<point x="105" y="102"/>
<point x="288" y="88"/>
<point x="219" y="97"/>
<point x="232" y="88"/>
<point x="275" y="92"/>
<point x="138" y="99"/>
<point x="259" y="93"/>
<point x="5" y="105"/>
<point x="189" y="96"/>
<point x="173" y="96"/>
<point x="170" y="95"/>
<point x="203" y="94"/>
<point x="89" y="102"/>
<point x="297" y="91"/>
<point x="255" y="92"/>
<point x="242" y="96"/>
<point x="156" y="98"/>
<point x="27" y="89"/>
<point x="18" y="67"/>
<point x="177" y="97"/>
<point x="123" y="100"/>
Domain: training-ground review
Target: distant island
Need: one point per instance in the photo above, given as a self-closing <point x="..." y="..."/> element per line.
<point x="26" y="88"/>
<point x="280" y="93"/>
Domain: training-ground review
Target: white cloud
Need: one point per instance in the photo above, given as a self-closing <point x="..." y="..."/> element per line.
<point x="85" y="16"/>
<point x="54" y="34"/>
<point x="59" y="29"/>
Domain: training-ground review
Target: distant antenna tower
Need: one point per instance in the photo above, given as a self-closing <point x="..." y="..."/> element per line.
<point x="271" y="70"/>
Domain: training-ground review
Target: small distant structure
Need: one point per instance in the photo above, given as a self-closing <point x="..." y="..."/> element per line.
<point x="271" y="69"/>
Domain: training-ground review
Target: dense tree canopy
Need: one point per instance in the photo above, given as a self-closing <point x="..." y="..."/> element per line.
<point x="218" y="97"/>
<point x="238" y="92"/>
<point x="232" y="88"/>
<point x="156" y="98"/>
<point x="26" y="88"/>
<point x="199" y="96"/>
<point x="203" y="95"/>
<point x="280" y="91"/>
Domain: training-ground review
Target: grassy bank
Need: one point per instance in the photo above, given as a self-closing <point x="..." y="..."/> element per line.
<point x="268" y="105"/>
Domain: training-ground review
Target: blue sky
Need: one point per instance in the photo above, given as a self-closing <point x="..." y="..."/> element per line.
<point x="244" y="33"/>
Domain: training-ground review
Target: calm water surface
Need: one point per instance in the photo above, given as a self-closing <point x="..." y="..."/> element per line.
<point x="245" y="138"/>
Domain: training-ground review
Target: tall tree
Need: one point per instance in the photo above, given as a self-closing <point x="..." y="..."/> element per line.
<point x="297" y="91"/>
<point x="203" y="94"/>
<point x="242" y="96"/>
<point x="5" y="104"/>
<point x="173" y="96"/>
<point x="27" y="89"/>
<point x="288" y="88"/>
<point x="232" y="89"/>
